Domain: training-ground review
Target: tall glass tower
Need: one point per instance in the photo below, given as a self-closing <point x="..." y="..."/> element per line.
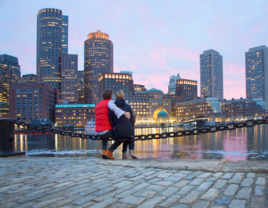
<point x="98" y="51"/>
<point x="211" y="74"/>
<point x="257" y="73"/>
<point x="51" y="42"/>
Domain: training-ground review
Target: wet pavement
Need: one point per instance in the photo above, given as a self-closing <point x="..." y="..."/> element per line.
<point x="92" y="182"/>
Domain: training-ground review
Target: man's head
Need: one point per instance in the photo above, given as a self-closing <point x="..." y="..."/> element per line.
<point x="107" y="94"/>
<point x="120" y="95"/>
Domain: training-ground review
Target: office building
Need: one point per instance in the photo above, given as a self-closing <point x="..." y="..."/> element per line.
<point x="33" y="101"/>
<point x="74" y="115"/>
<point x="52" y="41"/>
<point x="211" y="74"/>
<point x="9" y="73"/>
<point x="202" y="107"/>
<point x="243" y="109"/>
<point x="257" y="73"/>
<point x="80" y="87"/>
<point x="28" y="78"/>
<point x="186" y="89"/>
<point x="98" y="50"/>
<point x="172" y="84"/>
<point x="68" y="65"/>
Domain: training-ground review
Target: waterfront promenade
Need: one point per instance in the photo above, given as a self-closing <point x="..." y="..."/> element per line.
<point x="92" y="182"/>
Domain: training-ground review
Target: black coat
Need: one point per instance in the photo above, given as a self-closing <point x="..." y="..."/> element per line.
<point x="123" y="127"/>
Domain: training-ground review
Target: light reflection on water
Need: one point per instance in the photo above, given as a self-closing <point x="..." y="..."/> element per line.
<point x="240" y="144"/>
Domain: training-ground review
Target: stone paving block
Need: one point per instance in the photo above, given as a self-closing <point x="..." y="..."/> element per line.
<point x="182" y="183"/>
<point x="238" y="204"/>
<point x="202" y="204"/>
<point x="169" y="191"/>
<point x="155" y="188"/>
<point x="236" y="179"/>
<point x="224" y="200"/>
<point x="164" y="183"/>
<point x="217" y="175"/>
<point x="170" y="200"/>
<point x="133" y="200"/>
<point x="259" y="190"/>
<point x="44" y="203"/>
<point x="120" y="190"/>
<point x="197" y="181"/>
<point x="173" y="179"/>
<point x="137" y="178"/>
<point x="140" y="186"/>
<point x="190" y="198"/>
<point x="179" y="175"/>
<point x="204" y="186"/>
<point x="244" y="193"/>
<point x="257" y="202"/>
<point x="152" y="202"/>
<point x="145" y="193"/>
<point x="191" y="176"/>
<point x="103" y="197"/>
<point x="62" y="202"/>
<point x="231" y="190"/>
<point x="185" y="190"/>
<point x="185" y="172"/>
<point x="104" y="203"/>
<point x="212" y="179"/>
<point x="121" y="205"/>
<point x="260" y="181"/>
<point x="247" y="182"/>
<point x="103" y="191"/>
<point x="132" y="175"/>
<point x="148" y="173"/>
<point x="25" y="205"/>
<point x="220" y="183"/>
<point x="204" y="175"/>
<point x="251" y="175"/>
<point x="164" y="175"/>
<point x="33" y="197"/>
<point x="123" y="183"/>
<point x="227" y="176"/>
<point x="211" y="194"/>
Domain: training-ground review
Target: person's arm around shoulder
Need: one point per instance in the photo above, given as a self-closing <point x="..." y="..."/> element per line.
<point x="117" y="111"/>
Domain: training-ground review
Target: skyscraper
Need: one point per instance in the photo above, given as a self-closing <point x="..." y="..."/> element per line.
<point x="211" y="74"/>
<point x="68" y="68"/>
<point x="172" y="84"/>
<point x="9" y="73"/>
<point x="98" y="51"/>
<point x="257" y="73"/>
<point x="52" y="41"/>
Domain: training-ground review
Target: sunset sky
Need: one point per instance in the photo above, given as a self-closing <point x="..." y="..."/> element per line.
<point x="153" y="39"/>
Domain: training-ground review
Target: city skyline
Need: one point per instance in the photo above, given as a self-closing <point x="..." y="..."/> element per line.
<point x="153" y="40"/>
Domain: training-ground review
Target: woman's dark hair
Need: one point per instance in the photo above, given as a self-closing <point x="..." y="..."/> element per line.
<point x="107" y="94"/>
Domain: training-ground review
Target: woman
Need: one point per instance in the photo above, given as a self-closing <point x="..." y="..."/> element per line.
<point x="103" y="127"/>
<point x="123" y="128"/>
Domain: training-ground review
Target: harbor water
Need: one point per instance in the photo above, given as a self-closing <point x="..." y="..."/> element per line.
<point x="240" y="144"/>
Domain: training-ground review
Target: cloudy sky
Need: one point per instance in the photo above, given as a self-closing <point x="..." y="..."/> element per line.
<point x="154" y="39"/>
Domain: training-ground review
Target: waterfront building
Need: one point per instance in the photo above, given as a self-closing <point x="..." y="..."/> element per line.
<point x="74" y="115"/>
<point x="9" y="73"/>
<point x="145" y="105"/>
<point x="139" y="88"/>
<point x="257" y="73"/>
<point x="68" y="64"/>
<point x="186" y="89"/>
<point x="98" y="50"/>
<point x="172" y="84"/>
<point x="211" y="74"/>
<point x="33" y="101"/>
<point x="243" y="109"/>
<point x="209" y="107"/>
<point x="28" y="78"/>
<point x="80" y="87"/>
<point x="52" y="41"/>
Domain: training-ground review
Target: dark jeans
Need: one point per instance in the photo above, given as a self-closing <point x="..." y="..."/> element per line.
<point x="129" y="144"/>
<point x="104" y="143"/>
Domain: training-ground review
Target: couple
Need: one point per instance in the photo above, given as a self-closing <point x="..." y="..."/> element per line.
<point x="114" y="119"/>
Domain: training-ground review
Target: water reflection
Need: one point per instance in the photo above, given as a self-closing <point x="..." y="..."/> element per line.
<point x="239" y="144"/>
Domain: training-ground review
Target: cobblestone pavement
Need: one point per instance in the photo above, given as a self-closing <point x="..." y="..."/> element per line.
<point x="84" y="182"/>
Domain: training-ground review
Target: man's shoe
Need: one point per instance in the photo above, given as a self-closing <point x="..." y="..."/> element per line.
<point x="124" y="156"/>
<point x="131" y="152"/>
<point x="103" y="154"/>
<point x="109" y="154"/>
